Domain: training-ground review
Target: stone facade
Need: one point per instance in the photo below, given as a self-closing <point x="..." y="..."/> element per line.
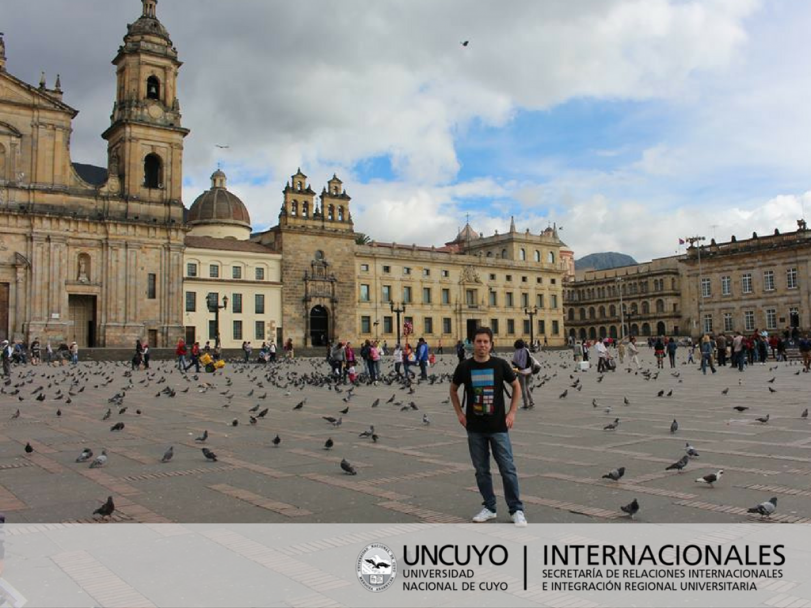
<point x="95" y="254"/>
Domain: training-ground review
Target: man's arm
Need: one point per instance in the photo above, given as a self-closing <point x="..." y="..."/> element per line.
<point x="516" y="397"/>
<point x="460" y="415"/>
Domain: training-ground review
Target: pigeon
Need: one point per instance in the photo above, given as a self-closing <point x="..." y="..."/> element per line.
<point x="674" y="426"/>
<point x="300" y="404"/>
<point x="393" y="397"/>
<point x="276" y="441"/>
<point x="803" y="415"/>
<point x="679" y="466"/>
<point x="348" y="468"/>
<point x="615" y="474"/>
<point x="772" y="390"/>
<point x="625" y="401"/>
<point x="376" y="402"/>
<point x="426" y="420"/>
<point x="669" y="393"/>
<point x="58" y="412"/>
<point x="691" y="451"/>
<point x="41" y="397"/>
<point x="331" y="419"/>
<point x="374" y="438"/>
<point x="255" y="408"/>
<point x="202" y="437"/>
<point x="16" y="414"/>
<point x="345" y="410"/>
<point x="28" y="448"/>
<point x="86" y="455"/>
<point x="772" y="380"/>
<point x="763" y="419"/>
<point x="235" y="422"/>
<point x="167" y="455"/>
<point x="593" y="403"/>
<point x="612" y="426"/>
<point x="100" y="460"/>
<point x="711" y="478"/>
<point x="660" y="393"/>
<point x="105" y="510"/>
<point x="263" y="413"/>
<point x="563" y="394"/>
<point x="209" y="455"/>
<point x="765" y="509"/>
<point x="117" y="426"/>
<point x="328" y="444"/>
<point x="122" y="411"/>
<point x="631" y="508"/>
<point x="465" y="43"/>
<point x="368" y="433"/>
<point x="740" y="408"/>
<point x="725" y="391"/>
<point x="253" y="420"/>
<point x="107" y="414"/>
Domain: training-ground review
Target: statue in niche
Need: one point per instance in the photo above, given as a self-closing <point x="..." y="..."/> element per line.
<point x="83" y="270"/>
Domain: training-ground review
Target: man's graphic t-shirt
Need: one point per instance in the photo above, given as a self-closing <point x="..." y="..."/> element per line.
<point x="484" y="388"/>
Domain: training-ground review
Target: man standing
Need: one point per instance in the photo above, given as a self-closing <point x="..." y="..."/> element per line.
<point x="6" y="355"/>
<point x="487" y="424"/>
<point x="422" y="358"/>
<point x="737" y="351"/>
<point x="602" y="356"/>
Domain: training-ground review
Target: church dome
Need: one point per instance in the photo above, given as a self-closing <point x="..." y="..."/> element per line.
<point x="219" y="207"/>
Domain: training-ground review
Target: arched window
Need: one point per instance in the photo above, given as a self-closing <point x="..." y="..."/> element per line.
<point x="661" y="329"/>
<point x="582" y="314"/>
<point x="571" y="314"/>
<point x="489" y="254"/>
<point x="634" y="309"/>
<point x="612" y="331"/>
<point x="673" y="284"/>
<point x="612" y="311"/>
<point x="294" y="208"/>
<point x="603" y="333"/>
<point x="331" y="213"/>
<point x="503" y="254"/>
<point x="591" y="312"/>
<point x="602" y="312"/>
<point x="592" y="333"/>
<point x="298" y="186"/>
<point x="634" y="329"/>
<point x="550" y="257"/>
<point x="660" y="305"/>
<point x="305" y="209"/>
<point x="537" y="256"/>
<point x="645" y="308"/>
<point x="522" y="254"/>
<point x="582" y="333"/>
<point x="645" y="329"/>
<point x="340" y="214"/>
<point x="153" y="171"/>
<point x="153" y="88"/>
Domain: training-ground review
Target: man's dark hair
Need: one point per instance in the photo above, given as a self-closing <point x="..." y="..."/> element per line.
<point x="519" y="343"/>
<point x="483" y="330"/>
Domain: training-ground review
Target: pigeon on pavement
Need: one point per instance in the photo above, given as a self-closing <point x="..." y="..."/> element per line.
<point x="86" y="455"/>
<point x="105" y="510"/>
<point x="691" y="451"/>
<point x="631" y="508"/>
<point x="711" y="478"/>
<point x="765" y="509"/>
<point x="348" y="468"/>
<point x="167" y="455"/>
<point x="100" y="460"/>
<point x="615" y="474"/>
<point x="679" y="466"/>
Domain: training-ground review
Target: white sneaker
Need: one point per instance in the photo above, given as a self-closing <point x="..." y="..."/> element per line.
<point x="519" y="519"/>
<point x="484" y="515"/>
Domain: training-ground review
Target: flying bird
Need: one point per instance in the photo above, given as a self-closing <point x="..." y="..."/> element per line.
<point x="376" y="564"/>
<point x="772" y="390"/>
<point x="765" y="509"/>
<point x="465" y="43"/>
<point x="739" y="408"/>
<point x="221" y="146"/>
<point x="615" y="474"/>
<point x="711" y="478"/>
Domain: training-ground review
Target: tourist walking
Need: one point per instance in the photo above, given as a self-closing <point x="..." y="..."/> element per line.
<point x="633" y="351"/>
<point x="522" y="362"/>
<point x="5" y="354"/>
<point x="706" y="355"/>
<point x="460" y="351"/>
<point x="398" y="359"/>
<point x="146" y="355"/>
<point x="659" y="352"/>
<point x="721" y="344"/>
<point x="672" y="346"/>
<point x="422" y="358"/>
<point x="180" y="353"/>
<point x="488" y="422"/>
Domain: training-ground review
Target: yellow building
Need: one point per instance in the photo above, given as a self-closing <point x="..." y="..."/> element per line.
<point x="245" y="277"/>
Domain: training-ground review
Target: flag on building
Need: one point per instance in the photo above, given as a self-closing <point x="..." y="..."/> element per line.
<point x="681" y="241"/>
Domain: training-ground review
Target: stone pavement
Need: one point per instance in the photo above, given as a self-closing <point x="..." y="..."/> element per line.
<point x="414" y="473"/>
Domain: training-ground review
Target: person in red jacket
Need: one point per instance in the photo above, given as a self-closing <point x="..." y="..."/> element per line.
<point x="181" y="352"/>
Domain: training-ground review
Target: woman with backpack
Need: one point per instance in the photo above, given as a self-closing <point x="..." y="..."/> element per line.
<point x="522" y="362"/>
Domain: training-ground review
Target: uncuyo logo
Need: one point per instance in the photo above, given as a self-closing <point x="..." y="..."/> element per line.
<point x="377" y="567"/>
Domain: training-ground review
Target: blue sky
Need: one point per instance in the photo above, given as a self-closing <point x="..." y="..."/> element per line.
<point x="628" y="122"/>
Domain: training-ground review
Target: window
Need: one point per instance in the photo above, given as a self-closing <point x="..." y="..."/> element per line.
<point x="151" y="286"/>
<point x="791" y="278"/>
<point x="426" y="295"/>
<point x="191" y="269"/>
<point x="366" y="324"/>
<point x="364" y="267"/>
<point x="493" y="298"/>
<point x="539" y="280"/>
<point x="510" y="326"/>
<point x="406" y="270"/>
<point x="152" y="171"/>
<point x="728" y="321"/>
<point x="212" y="330"/>
<point x="706" y="292"/>
<point x="525" y="300"/>
<point x="387" y="269"/>
<point x="236" y="303"/>
<point x="707" y="324"/>
<point x="471" y="297"/>
<point x="554" y="298"/>
<point x="446" y="296"/>
<point x="236" y="272"/>
<point x="522" y="255"/>
<point x="364" y="293"/>
<point x="771" y="318"/>
<point x="509" y="277"/>
<point x="550" y="257"/>
<point x="387" y="293"/>
<point x="407" y="294"/>
<point x="259" y="330"/>
<point x="212" y="301"/>
<point x="523" y="279"/>
<point x="541" y="327"/>
<point x="445" y="274"/>
<point x="259" y="303"/>
<point x="726" y="286"/>
<point x="191" y="301"/>
<point x="746" y="283"/>
<point x="768" y="280"/>
<point x="214" y="271"/>
<point x="388" y="325"/>
<point x="537" y="256"/>
<point x="510" y="302"/>
<point x="237" y="330"/>
<point x="527" y="327"/>
<point x="447" y="328"/>
<point x="409" y="320"/>
<point x="153" y="88"/>
<point x="555" y="327"/>
<point x="426" y="272"/>
<point x="260" y="274"/>
<point x="429" y="325"/>
<point x="492" y="277"/>
<point x="553" y="281"/>
<point x="749" y="320"/>
<point x="539" y="300"/>
<point x="494" y="325"/>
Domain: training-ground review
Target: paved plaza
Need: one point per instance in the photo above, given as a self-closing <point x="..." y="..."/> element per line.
<point x="415" y="472"/>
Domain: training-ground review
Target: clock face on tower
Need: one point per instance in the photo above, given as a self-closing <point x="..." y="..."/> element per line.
<point x="155" y="111"/>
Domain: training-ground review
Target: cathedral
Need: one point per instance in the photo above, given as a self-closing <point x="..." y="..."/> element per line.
<point x="107" y="255"/>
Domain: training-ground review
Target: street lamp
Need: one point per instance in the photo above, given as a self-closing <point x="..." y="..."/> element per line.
<point x="693" y="240"/>
<point x="398" y="311"/>
<point x="214" y="306"/>
<point x="531" y="312"/>
<point x="622" y="311"/>
<point x="376" y="324"/>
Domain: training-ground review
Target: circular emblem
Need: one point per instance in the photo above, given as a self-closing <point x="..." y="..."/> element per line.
<point x="377" y="567"/>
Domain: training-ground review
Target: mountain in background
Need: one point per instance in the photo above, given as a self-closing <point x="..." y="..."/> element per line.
<point x="603" y="261"/>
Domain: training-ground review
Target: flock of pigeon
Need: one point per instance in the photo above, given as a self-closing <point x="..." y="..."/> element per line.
<point x="65" y="386"/>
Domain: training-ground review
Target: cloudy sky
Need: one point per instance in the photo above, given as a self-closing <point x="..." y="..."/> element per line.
<point x="630" y="123"/>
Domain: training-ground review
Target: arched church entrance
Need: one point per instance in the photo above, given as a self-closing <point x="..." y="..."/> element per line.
<point x="319" y="326"/>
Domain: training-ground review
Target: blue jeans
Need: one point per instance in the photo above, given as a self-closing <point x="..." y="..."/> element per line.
<point x="741" y="357"/>
<point x="181" y="363"/>
<point x="707" y="360"/>
<point x="423" y="367"/>
<point x="480" y="445"/>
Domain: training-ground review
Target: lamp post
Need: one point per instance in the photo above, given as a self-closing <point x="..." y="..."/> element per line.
<point x="622" y="312"/>
<point x="531" y="312"/>
<point x="399" y="310"/>
<point x="376" y="324"/>
<point x="693" y="240"/>
<point x="215" y="307"/>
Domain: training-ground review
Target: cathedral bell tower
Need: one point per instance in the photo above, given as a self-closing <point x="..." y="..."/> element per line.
<point x="145" y="138"/>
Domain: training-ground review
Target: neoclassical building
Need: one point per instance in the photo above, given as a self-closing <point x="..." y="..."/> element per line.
<point x="95" y="254"/>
